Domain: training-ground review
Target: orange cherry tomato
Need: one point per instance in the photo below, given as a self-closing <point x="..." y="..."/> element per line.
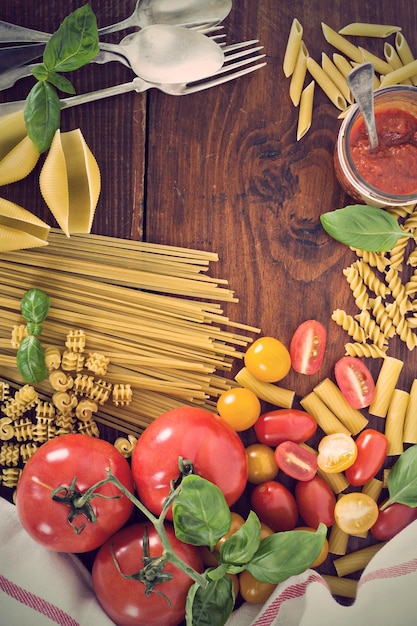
<point x="355" y="513"/>
<point x="265" y="531"/>
<point x="262" y="465"/>
<point x="239" y="407"/>
<point x="253" y="590"/>
<point x="336" y="452"/>
<point x="236" y="523"/>
<point x="268" y="360"/>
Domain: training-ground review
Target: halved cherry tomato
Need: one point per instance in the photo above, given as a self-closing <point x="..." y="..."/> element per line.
<point x="274" y="427"/>
<point x="355" y="381"/>
<point x="355" y="513"/>
<point x="324" y="551"/>
<point x="262" y="465"/>
<point x="275" y="505"/>
<point x="336" y="452"/>
<point x="372" y="449"/>
<point x="239" y="407"/>
<point x="393" y="519"/>
<point x="296" y="461"/>
<point x="268" y="360"/>
<point x="252" y="590"/>
<point x="315" y="501"/>
<point x="307" y="347"/>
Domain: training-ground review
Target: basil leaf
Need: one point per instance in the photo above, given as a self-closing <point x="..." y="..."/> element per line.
<point x="285" y="554"/>
<point x="40" y="72"/>
<point x="211" y="606"/>
<point x="30" y="360"/>
<point x="240" y="547"/>
<point x="200" y="512"/>
<point x="60" y="82"/>
<point x="363" y="227"/>
<point x="402" y="479"/>
<point x="75" y="43"/>
<point x="42" y="115"/>
<point x="34" y="305"/>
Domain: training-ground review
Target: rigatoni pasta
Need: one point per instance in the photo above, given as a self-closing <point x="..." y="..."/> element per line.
<point x="394" y="424"/>
<point x="385" y="385"/>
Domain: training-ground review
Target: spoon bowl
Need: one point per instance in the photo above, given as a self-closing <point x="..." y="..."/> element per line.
<point x="361" y="83"/>
<point x="163" y="53"/>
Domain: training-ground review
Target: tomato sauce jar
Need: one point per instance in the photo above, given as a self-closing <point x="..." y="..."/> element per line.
<point x="386" y="176"/>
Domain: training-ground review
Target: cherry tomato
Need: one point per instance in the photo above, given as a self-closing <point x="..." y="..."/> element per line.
<point x="372" y="449"/>
<point x="237" y="522"/>
<point x="199" y="436"/>
<point x="74" y="463"/>
<point x="274" y="427"/>
<point x="239" y="407"/>
<point x="124" y="599"/>
<point x="393" y="519"/>
<point x="296" y="461"/>
<point x="265" y="531"/>
<point x="336" y="452"/>
<point x="275" y="505"/>
<point x="355" y="513"/>
<point x="307" y="347"/>
<point x="355" y="381"/>
<point x="268" y="360"/>
<point x="262" y="465"/>
<point x="324" y="551"/>
<point x="315" y="501"/>
<point x="253" y="590"/>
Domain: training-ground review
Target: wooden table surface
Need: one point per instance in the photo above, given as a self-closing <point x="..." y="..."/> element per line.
<point x="221" y="170"/>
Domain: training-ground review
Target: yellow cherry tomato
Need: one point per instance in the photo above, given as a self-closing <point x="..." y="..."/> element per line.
<point x="268" y="360"/>
<point x="324" y="551"/>
<point x="265" y="531"/>
<point x="253" y="590"/>
<point x="336" y="452"/>
<point x="355" y="513"/>
<point x="262" y="465"/>
<point x="236" y="523"/>
<point x="239" y="407"/>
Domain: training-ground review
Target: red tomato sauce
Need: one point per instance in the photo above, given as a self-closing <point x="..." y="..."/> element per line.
<point x="392" y="167"/>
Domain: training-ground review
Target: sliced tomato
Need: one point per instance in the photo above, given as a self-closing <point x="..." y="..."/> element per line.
<point x="307" y="347"/>
<point x="355" y="513"/>
<point x="337" y="452"/>
<point x="355" y="381"/>
<point x="296" y="461"/>
<point x="372" y="449"/>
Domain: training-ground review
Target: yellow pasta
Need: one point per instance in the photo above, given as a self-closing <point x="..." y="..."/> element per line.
<point x="18" y="154"/>
<point x="355" y="561"/>
<point x="293" y="47"/>
<point x="397" y="288"/>
<point x="394" y="60"/>
<point x="334" y="399"/>
<point x="404" y="52"/>
<point x="269" y="392"/>
<point x="327" y="85"/>
<point x="380" y="65"/>
<point x="397" y="253"/>
<point x="336" y="76"/>
<point x="410" y="421"/>
<point x="324" y="417"/>
<point x="402" y="325"/>
<point x="394" y="424"/>
<point x="385" y="384"/>
<point x="370" y="279"/>
<point x="338" y="540"/>
<point x="373" y="259"/>
<point x="306" y="110"/>
<point x="349" y="324"/>
<point x="298" y="76"/>
<point x="344" y="587"/>
<point x="342" y="64"/>
<point x="373" y="488"/>
<point x="125" y="445"/>
<point x="368" y="350"/>
<point x="341" y="43"/>
<point x="357" y="286"/>
<point x="381" y="316"/>
<point x="371" y="329"/>
<point x="400" y="75"/>
<point x="364" y="29"/>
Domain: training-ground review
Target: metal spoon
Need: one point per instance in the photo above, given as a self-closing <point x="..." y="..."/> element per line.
<point x="361" y="84"/>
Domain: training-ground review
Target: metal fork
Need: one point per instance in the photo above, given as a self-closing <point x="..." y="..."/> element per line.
<point x="239" y="59"/>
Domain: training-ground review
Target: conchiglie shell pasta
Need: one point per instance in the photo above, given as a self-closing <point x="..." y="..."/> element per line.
<point x="19" y="228"/>
<point x="70" y="182"/>
<point x="18" y="155"/>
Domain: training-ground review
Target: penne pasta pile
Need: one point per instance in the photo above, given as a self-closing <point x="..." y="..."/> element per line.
<point x="396" y="65"/>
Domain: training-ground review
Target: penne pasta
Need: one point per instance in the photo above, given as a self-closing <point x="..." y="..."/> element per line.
<point x="380" y="65"/>
<point x="298" y="76"/>
<point x="324" y="417"/>
<point x="385" y="385"/>
<point x="342" y="64"/>
<point x="391" y="56"/>
<point x="293" y="47"/>
<point x="364" y="29"/>
<point x="305" y="113"/>
<point x="404" y="52"/>
<point x="394" y="425"/>
<point x="410" y="422"/>
<point x="355" y="561"/>
<point x="334" y="399"/>
<point x="336" y="76"/>
<point x="327" y="85"/>
<point x="400" y="75"/>
<point x="340" y="43"/>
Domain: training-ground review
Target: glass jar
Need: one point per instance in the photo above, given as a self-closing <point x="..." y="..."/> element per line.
<point x="401" y="97"/>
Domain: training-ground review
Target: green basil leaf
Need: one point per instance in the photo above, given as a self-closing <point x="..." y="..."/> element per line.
<point x="286" y="554"/>
<point x="200" y="512"/>
<point x="240" y="547"/>
<point x="363" y="227"/>
<point x="211" y="606"/>
<point x="30" y="360"/>
<point x="60" y="82"/>
<point x="34" y="305"/>
<point x="40" y="72"/>
<point x="75" y="43"/>
<point x="402" y="479"/>
<point x="42" y="115"/>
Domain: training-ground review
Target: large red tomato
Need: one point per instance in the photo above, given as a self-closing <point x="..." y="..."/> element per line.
<point x="196" y="435"/>
<point x="124" y="599"/>
<point x="73" y="462"/>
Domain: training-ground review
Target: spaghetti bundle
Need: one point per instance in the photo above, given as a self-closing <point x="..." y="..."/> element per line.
<point x="153" y="310"/>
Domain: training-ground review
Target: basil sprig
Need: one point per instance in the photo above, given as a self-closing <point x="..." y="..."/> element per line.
<point x="363" y="227"/>
<point x="30" y="358"/>
<point x="73" y="45"/>
<point x="402" y="479"/>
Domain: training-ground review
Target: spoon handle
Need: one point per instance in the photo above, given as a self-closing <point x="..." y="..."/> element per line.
<point x="13" y="33"/>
